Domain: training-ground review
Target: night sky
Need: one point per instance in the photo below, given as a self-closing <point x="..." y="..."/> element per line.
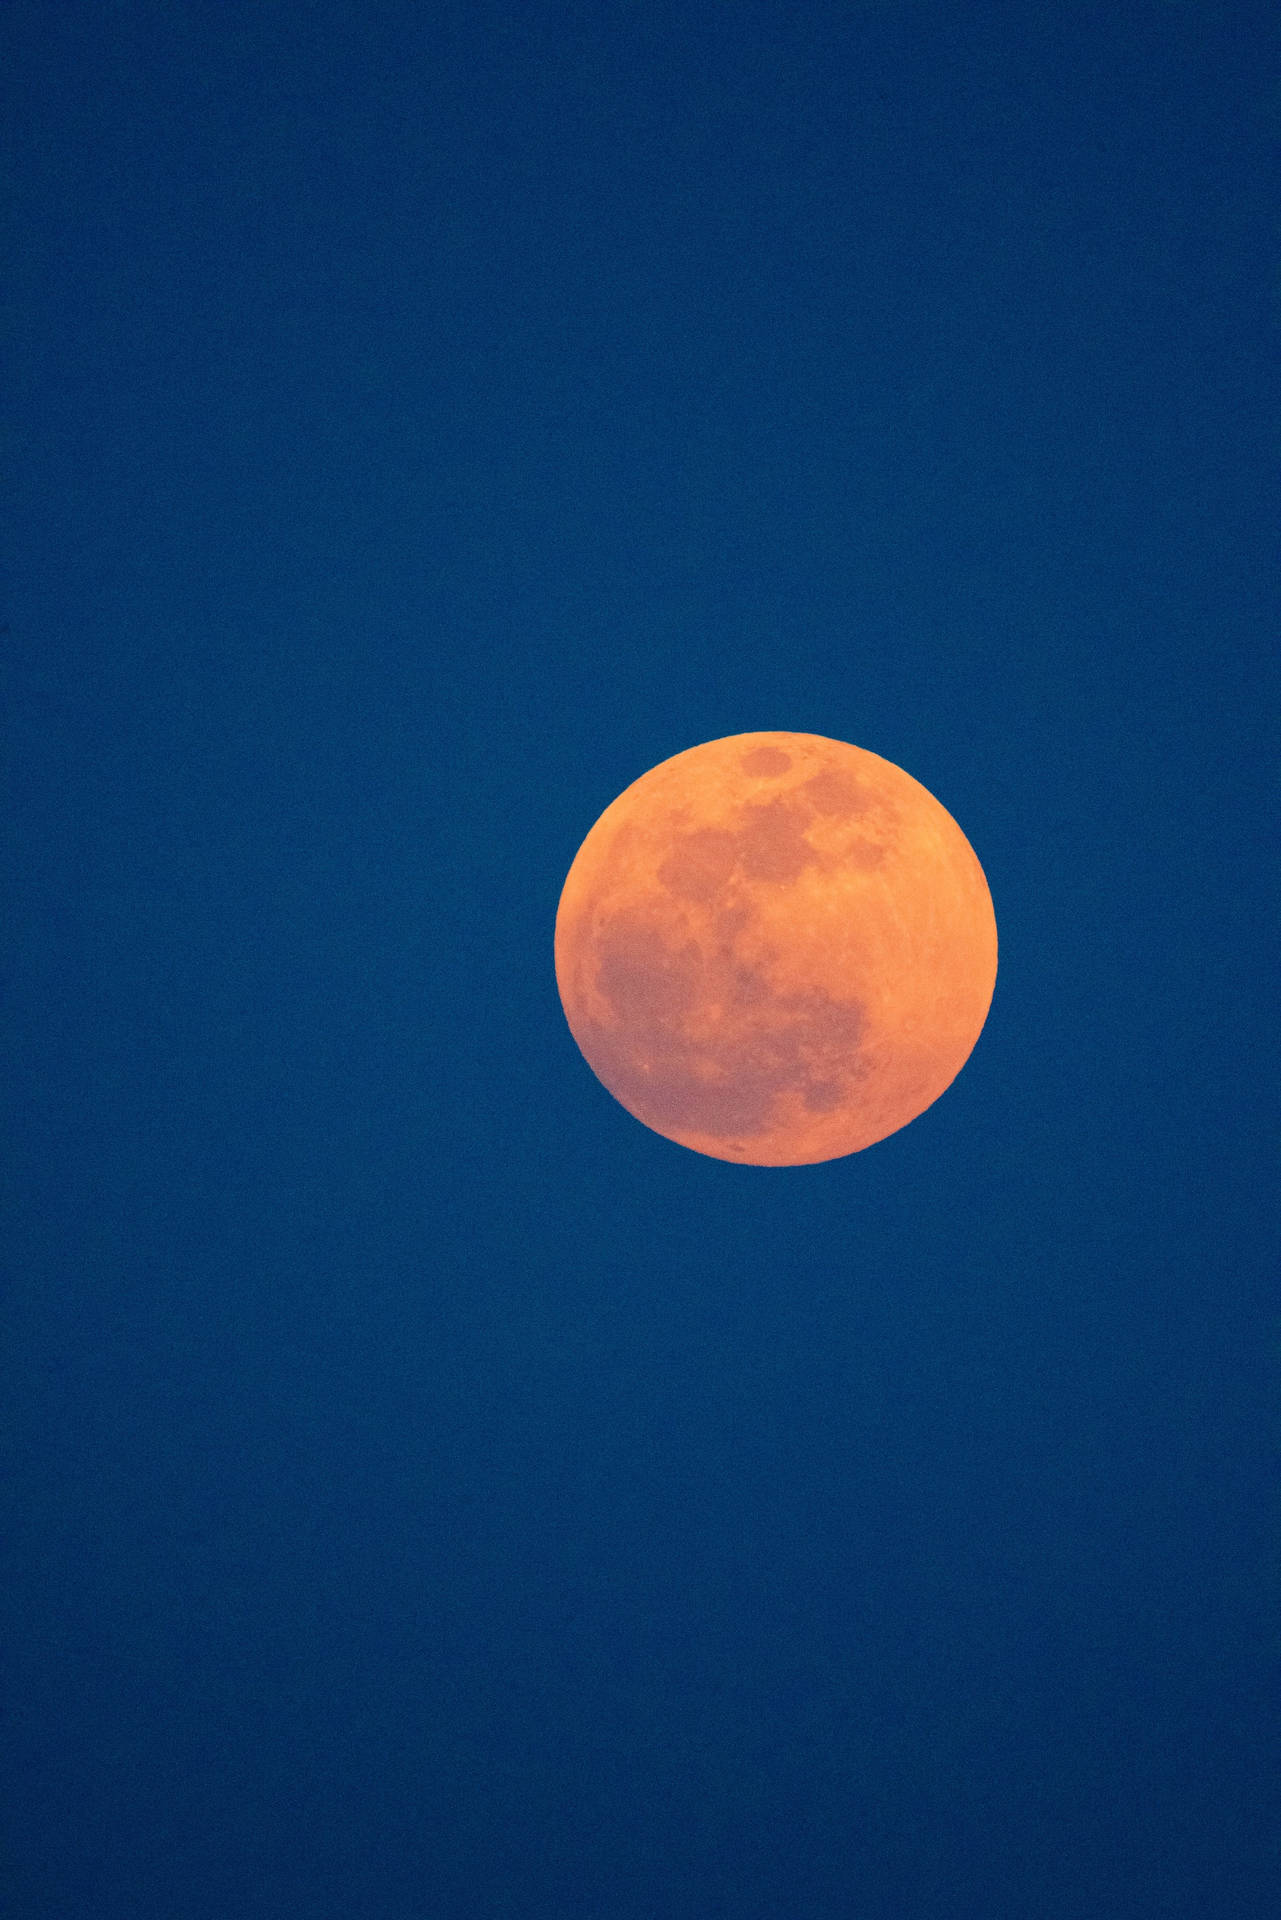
<point x="431" y="1495"/>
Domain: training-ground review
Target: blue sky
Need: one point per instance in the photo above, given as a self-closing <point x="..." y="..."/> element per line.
<point x="432" y="1495"/>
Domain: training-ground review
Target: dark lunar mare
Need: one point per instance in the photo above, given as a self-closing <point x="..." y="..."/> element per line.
<point x="771" y="1043"/>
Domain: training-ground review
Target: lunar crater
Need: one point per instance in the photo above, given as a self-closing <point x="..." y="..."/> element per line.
<point x="766" y="761"/>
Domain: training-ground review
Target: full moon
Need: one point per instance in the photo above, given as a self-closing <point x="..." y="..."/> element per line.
<point x="776" y="948"/>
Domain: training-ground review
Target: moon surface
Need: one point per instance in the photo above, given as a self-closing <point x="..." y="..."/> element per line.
<point x="776" y="948"/>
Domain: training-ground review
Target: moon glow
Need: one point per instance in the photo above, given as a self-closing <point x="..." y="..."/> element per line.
<point x="776" y="948"/>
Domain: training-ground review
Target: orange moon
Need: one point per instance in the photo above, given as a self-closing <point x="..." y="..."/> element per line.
<point x="776" y="948"/>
